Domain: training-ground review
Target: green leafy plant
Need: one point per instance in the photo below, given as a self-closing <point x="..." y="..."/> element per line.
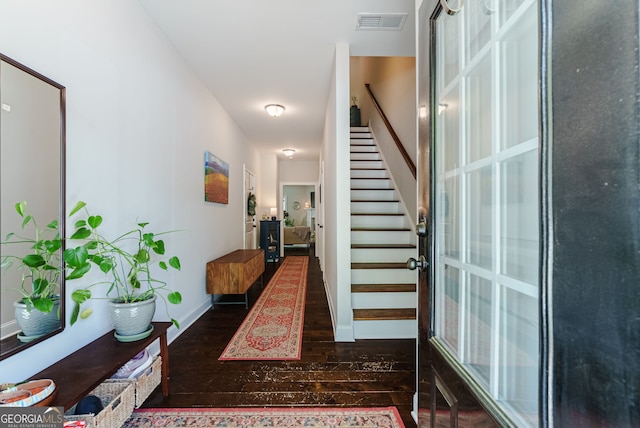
<point x="128" y="261"/>
<point x="41" y="266"/>
<point x="288" y="222"/>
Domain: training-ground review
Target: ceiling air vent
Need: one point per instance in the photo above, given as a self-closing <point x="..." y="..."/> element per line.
<point x="381" y="21"/>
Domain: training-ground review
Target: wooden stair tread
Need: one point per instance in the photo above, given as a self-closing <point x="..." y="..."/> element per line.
<point x="383" y="288"/>
<point x="378" y="265"/>
<point x="384" y="314"/>
<point x="383" y="246"/>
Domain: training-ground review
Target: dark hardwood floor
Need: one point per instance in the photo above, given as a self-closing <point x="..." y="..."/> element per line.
<point x="364" y="373"/>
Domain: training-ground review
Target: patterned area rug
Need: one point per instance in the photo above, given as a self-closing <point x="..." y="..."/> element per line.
<point x="273" y="328"/>
<point x="267" y="417"/>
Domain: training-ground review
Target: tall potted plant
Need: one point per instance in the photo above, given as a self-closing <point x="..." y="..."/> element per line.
<point x="130" y="261"/>
<point x="37" y="312"/>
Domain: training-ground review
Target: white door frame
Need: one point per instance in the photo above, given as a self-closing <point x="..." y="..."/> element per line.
<point x="281" y="209"/>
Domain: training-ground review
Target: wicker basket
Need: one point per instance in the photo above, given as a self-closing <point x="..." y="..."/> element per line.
<point x="118" y="401"/>
<point x="148" y="381"/>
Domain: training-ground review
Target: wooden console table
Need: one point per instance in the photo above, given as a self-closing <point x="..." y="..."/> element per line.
<point x="235" y="272"/>
<point x="81" y="372"/>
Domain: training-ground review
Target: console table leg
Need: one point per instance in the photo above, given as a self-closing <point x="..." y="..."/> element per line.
<point x="164" y="354"/>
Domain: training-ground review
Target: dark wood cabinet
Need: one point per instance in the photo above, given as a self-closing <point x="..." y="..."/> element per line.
<point x="270" y="240"/>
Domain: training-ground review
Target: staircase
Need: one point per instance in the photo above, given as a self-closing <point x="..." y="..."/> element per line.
<point x="383" y="290"/>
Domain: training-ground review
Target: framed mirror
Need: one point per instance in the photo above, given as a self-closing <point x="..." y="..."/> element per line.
<point x="32" y="169"/>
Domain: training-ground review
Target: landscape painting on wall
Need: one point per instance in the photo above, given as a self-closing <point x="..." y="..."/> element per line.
<point x="216" y="179"/>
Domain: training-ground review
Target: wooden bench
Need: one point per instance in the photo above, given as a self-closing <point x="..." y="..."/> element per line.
<point x="81" y="372"/>
<point x="235" y="272"/>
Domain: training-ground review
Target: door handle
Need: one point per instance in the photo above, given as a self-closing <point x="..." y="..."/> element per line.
<point x="421" y="263"/>
<point x="421" y="229"/>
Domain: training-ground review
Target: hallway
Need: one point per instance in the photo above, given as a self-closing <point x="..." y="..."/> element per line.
<point x="365" y="373"/>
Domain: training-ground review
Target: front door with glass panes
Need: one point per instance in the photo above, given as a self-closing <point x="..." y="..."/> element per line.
<point x="483" y="283"/>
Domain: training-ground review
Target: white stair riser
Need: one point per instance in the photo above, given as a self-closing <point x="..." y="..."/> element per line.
<point x="359" y="147"/>
<point x="379" y="221"/>
<point x="373" y="195"/>
<point x="365" y="156"/>
<point x="375" y="208"/>
<point x="383" y="276"/>
<point x="356" y="144"/>
<point x="366" y="183"/>
<point x="393" y="329"/>
<point x="367" y="164"/>
<point x="369" y="173"/>
<point x="389" y="300"/>
<point x="382" y="255"/>
<point x="360" y="131"/>
<point x="380" y="237"/>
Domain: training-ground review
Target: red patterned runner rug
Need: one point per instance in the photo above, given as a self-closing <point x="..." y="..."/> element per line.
<point x="273" y="328"/>
<point x="266" y="417"/>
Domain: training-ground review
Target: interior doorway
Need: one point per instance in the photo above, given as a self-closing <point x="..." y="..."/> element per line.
<point x="297" y="208"/>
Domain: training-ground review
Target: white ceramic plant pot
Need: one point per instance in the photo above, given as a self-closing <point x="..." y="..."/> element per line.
<point x="34" y="323"/>
<point x="132" y="319"/>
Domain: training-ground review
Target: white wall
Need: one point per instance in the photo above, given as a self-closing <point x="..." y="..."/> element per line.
<point x="393" y="82"/>
<point x="138" y="124"/>
<point x="267" y="185"/>
<point x="292" y="171"/>
<point x="336" y="199"/>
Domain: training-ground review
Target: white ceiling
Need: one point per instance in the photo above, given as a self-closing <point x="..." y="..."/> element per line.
<point x="254" y="52"/>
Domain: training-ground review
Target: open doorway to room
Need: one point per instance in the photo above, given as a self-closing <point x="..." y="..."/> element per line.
<point x="298" y="208"/>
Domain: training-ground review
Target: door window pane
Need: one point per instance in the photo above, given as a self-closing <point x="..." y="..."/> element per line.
<point x="450" y="137"/>
<point x="520" y="81"/>
<point x="506" y="8"/>
<point x="478" y="28"/>
<point x="448" y="30"/>
<point x="478" y="329"/>
<point x="479" y="112"/>
<point x="519" y="353"/>
<point x="449" y="321"/>
<point x="519" y="217"/>
<point x="449" y="215"/>
<point x="479" y="217"/>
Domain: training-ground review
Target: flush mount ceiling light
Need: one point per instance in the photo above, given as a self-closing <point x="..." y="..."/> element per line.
<point x="288" y="153"/>
<point x="274" y="110"/>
